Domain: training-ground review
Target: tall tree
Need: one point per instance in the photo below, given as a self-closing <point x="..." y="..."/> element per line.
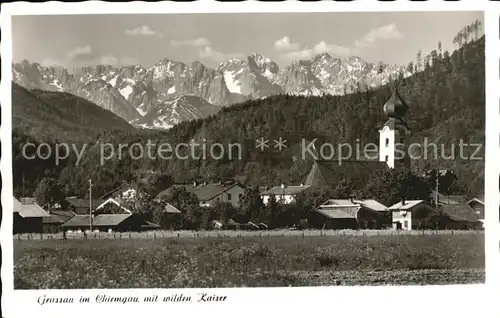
<point x="49" y="192"/>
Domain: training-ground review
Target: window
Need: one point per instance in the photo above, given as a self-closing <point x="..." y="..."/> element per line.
<point x="406" y="224"/>
<point x="240" y="196"/>
<point x="386" y="142"/>
<point x="229" y="196"/>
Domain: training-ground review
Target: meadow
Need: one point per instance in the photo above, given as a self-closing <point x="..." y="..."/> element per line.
<point x="249" y="261"/>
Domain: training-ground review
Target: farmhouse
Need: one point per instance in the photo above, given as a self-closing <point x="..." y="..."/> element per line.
<point x="108" y="223"/>
<point x="283" y="193"/>
<point x="210" y="193"/>
<point x="350" y="214"/>
<point x="113" y="206"/>
<point x="28" y="218"/>
<point x="460" y="217"/>
<point x="411" y="214"/>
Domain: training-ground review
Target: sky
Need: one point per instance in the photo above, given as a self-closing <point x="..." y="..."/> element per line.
<point x="125" y="39"/>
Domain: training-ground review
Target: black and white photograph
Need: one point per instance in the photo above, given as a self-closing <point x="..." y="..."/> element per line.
<point x="218" y="150"/>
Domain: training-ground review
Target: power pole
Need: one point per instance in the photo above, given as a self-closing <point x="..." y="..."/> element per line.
<point x="437" y="190"/>
<point x="90" y="203"/>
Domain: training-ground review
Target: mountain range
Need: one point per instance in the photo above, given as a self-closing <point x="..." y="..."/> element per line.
<point x="170" y="92"/>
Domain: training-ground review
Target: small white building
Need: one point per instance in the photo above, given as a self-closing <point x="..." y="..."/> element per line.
<point x="285" y="194"/>
<point x="409" y="214"/>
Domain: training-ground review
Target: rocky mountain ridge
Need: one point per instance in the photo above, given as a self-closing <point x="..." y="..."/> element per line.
<point x="132" y="92"/>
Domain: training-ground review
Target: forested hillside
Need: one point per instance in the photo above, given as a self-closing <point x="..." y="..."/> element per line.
<point x="60" y="116"/>
<point x="446" y="96"/>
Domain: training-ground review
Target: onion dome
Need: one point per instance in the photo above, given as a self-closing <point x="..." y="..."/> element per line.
<point x="395" y="106"/>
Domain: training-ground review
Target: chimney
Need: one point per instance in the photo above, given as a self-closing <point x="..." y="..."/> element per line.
<point x="195" y="184"/>
<point x="282" y="186"/>
<point x="403" y="201"/>
<point x="351" y="197"/>
<point x="301" y="184"/>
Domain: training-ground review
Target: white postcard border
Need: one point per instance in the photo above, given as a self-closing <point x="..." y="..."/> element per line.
<point x="409" y="301"/>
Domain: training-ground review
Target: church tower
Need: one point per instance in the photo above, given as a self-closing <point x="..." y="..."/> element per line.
<point x="393" y="148"/>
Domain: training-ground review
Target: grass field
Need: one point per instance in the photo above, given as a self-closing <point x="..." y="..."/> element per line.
<point x="253" y="261"/>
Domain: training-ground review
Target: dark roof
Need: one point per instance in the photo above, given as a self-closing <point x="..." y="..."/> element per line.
<point x="329" y="173"/>
<point x="122" y="204"/>
<point x="29" y="210"/>
<point x="448" y="199"/>
<point x="286" y="190"/>
<point x="204" y="192"/>
<point x="58" y="217"/>
<point x="98" y="220"/>
<point x="339" y="212"/>
<point x="460" y="212"/>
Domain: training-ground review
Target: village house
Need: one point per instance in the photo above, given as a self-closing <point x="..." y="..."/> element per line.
<point x="477" y="204"/>
<point x="350" y="214"/>
<point x="108" y="223"/>
<point x="28" y="218"/>
<point x="284" y="194"/>
<point x="210" y="193"/>
<point x="411" y="214"/>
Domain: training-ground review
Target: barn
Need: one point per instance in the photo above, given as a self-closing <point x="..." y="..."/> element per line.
<point x="52" y="223"/>
<point x="28" y="218"/>
<point x="109" y="223"/>
<point x="350" y="214"/>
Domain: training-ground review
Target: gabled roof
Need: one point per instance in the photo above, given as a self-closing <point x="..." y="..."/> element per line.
<point x="27" y="200"/>
<point x="329" y="173"/>
<point x="374" y="205"/>
<point x="287" y="190"/>
<point x="169" y="208"/>
<point x="479" y="199"/>
<point x="98" y="220"/>
<point x="204" y="192"/>
<point x="29" y="210"/>
<point x="460" y="212"/>
<point x="408" y="205"/>
<point x="116" y="202"/>
<point x="83" y="203"/>
<point x="113" y="192"/>
<point x="339" y="212"/>
<point x="370" y="204"/>
<point x="58" y="217"/>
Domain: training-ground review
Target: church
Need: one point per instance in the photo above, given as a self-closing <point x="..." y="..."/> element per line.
<point x="392" y="152"/>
